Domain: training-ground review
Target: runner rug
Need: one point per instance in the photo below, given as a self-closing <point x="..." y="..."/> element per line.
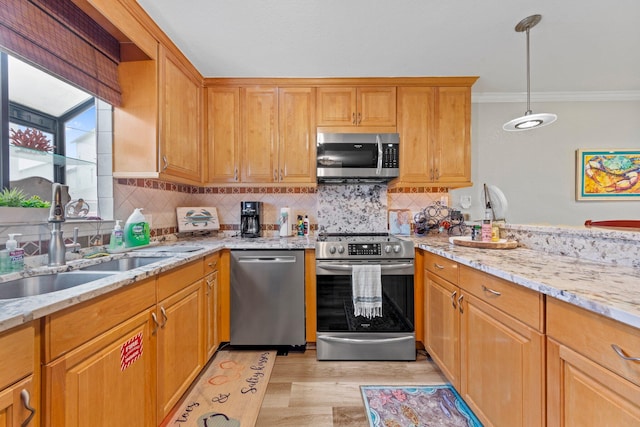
<point x="228" y="393"/>
<point x="437" y="405"/>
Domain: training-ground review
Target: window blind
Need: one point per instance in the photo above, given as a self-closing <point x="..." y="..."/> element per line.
<point x="60" y="38"/>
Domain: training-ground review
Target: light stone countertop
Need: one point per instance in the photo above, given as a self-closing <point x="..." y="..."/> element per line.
<point x="610" y="290"/>
<point x="613" y="291"/>
<point x="14" y="312"/>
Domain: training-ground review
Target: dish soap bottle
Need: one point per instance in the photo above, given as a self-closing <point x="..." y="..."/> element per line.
<point x="16" y="254"/>
<point x="486" y="223"/>
<point x="117" y="237"/>
<point x="136" y="230"/>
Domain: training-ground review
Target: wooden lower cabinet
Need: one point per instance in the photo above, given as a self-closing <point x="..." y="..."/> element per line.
<point x="180" y="341"/>
<point x="501" y="366"/>
<point x="13" y="409"/>
<point x="212" y="301"/>
<point x="474" y="334"/>
<point x="589" y="383"/>
<point x="109" y="381"/>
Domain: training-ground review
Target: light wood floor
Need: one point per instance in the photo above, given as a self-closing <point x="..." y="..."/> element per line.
<point x="305" y="392"/>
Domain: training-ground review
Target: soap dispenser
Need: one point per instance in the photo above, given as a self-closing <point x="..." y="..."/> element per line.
<point x="16" y="254"/>
<point x="117" y="237"/>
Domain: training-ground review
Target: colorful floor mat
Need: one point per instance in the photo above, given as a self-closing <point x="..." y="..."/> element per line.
<point x="228" y="393"/>
<point x="412" y="406"/>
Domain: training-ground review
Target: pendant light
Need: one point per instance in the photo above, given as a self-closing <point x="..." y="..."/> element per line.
<point x="529" y="120"/>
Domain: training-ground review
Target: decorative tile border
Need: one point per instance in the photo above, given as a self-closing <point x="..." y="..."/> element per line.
<point x="157" y="184"/>
<point x="416" y="190"/>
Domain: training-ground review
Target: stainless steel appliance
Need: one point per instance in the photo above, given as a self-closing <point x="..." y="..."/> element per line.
<point x="341" y="335"/>
<point x="250" y="219"/>
<point x="357" y="157"/>
<point x="267" y="298"/>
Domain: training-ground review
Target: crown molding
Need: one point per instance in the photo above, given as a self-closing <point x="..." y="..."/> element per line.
<point x="490" y="97"/>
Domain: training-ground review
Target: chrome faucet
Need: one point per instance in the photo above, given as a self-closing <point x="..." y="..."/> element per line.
<point x="57" y="247"/>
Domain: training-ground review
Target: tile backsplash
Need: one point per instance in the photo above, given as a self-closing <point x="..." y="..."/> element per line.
<point x="342" y="207"/>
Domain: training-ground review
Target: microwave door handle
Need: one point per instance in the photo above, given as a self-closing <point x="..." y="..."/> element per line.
<point x="379" y="166"/>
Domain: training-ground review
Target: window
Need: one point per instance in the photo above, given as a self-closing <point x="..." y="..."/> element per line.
<point x="51" y="134"/>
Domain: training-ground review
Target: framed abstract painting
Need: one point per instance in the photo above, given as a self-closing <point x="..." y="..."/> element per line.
<point x="607" y="174"/>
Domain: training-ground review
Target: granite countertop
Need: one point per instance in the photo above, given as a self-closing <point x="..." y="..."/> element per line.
<point x="613" y="291"/>
<point x="610" y="290"/>
<point x="14" y="312"/>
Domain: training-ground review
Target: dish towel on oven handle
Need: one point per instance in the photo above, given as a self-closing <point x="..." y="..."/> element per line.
<point x="366" y="282"/>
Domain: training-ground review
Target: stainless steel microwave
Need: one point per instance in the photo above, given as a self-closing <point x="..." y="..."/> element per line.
<point x="357" y="157"/>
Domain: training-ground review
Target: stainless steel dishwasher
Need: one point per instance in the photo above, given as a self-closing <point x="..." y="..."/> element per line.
<point x="267" y="298"/>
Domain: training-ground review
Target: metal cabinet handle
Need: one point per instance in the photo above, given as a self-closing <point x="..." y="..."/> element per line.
<point x="281" y="174"/>
<point x="491" y="291"/>
<point x="453" y="298"/>
<point x="460" y="303"/>
<point x="353" y="118"/>
<point x="165" y="162"/>
<point x="620" y="353"/>
<point x="431" y="173"/>
<point x="275" y="174"/>
<point x="164" y="317"/>
<point x="437" y="174"/>
<point x="209" y="285"/>
<point x="212" y="265"/>
<point x="155" y="320"/>
<point x="25" y="397"/>
<point x="235" y="174"/>
<point x="359" y="118"/>
<point x="438" y="266"/>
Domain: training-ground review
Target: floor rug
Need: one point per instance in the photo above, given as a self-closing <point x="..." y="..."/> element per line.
<point x="412" y="406"/>
<point x="228" y="393"/>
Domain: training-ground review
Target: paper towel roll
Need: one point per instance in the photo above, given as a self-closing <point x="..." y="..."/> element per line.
<point x="285" y="222"/>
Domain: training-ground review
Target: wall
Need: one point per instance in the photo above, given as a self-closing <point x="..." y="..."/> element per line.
<point x="536" y="169"/>
<point x="160" y="199"/>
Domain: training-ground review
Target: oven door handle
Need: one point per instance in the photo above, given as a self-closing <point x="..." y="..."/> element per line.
<point x="363" y="340"/>
<point x="349" y="267"/>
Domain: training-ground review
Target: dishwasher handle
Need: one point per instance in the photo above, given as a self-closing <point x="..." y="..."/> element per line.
<point x="267" y="259"/>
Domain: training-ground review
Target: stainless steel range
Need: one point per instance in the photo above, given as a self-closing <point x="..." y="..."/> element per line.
<point x="341" y="333"/>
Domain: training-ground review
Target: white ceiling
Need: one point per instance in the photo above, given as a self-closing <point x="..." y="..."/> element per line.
<point x="579" y="46"/>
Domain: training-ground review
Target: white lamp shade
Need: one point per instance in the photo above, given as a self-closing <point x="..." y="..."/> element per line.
<point x="530" y="121"/>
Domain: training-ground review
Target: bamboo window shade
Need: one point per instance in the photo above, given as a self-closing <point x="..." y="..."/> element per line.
<point x="56" y="35"/>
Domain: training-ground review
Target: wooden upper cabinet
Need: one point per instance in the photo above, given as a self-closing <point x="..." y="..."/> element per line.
<point x="435" y="142"/>
<point x="296" y="145"/>
<point x="180" y="119"/>
<point x="259" y="134"/>
<point x="223" y="134"/>
<point x="356" y="106"/>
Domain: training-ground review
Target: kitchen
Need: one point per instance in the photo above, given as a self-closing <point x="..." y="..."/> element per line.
<point x="492" y="157"/>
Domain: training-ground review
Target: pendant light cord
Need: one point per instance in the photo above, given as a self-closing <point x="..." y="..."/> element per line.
<point x="528" y="78"/>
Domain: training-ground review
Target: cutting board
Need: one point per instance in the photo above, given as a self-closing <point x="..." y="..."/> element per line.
<point x="500" y="244"/>
<point x="197" y="219"/>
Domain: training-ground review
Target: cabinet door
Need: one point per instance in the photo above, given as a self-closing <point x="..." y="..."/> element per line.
<point x="583" y="393"/>
<point x="502" y="366"/>
<point x="180" y="119"/>
<point x="442" y="325"/>
<point x="376" y="106"/>
<point x="297" y="148"/>
<point x="337" y="106"/>
<point x="223" y="134"/>
<point x="180" y="341"/>
<point x="259" y="134"/>
<point x="13" y="411"/>
<point x="109" y="381"/>
<point x="452" y="145"/>
<point x="416" y="119"/>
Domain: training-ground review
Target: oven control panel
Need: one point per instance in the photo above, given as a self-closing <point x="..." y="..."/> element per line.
<point x="364" y="249"/>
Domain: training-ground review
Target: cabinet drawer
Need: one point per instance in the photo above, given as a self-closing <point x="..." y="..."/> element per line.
<point x="67" y="329"/>
<point x="593" y="336"/>
<point x="174" y="280"/>
<point x="523" y="304"/>
<point x="211" y="263"/>
<point x="441" y="266"/>
<point x="17" y="352"/>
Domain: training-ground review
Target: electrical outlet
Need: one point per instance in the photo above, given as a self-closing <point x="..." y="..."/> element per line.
<point x="465" y="202"/>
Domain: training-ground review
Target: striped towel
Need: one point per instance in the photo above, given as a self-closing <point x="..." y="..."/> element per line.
<point x="367" y="290"/>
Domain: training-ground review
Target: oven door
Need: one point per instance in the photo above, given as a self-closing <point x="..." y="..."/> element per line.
<point x="343" y="336"/>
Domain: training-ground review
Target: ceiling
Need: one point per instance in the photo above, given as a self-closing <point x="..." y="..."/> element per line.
<point x="578" y="49"/>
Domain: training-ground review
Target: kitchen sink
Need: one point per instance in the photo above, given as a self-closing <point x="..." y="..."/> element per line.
<point x="38" y="285"/>
<point x="123" y="264"/>
<point x="170" y="248"/>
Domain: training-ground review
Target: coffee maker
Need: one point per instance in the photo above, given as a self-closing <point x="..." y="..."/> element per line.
<point x="250" y="219"/>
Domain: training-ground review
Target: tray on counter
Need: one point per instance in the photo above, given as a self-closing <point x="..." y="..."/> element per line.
<point x="466" y="241"/>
